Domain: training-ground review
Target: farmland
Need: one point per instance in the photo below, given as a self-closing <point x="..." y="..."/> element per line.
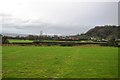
<point x="19" y="41"/>
<point x="59" y="62"/>
<point x="30" y="41"/>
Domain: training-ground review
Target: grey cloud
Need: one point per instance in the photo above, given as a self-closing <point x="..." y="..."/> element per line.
<point x="71" y="18"/>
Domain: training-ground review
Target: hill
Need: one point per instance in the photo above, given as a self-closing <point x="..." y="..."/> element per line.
<point x="105" y="32"/>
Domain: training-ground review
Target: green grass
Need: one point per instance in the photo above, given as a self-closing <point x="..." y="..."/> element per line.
<point x="19" y="41"/>
<point x="61" y="62"/>
<point x="66" y="41"/>
<point x="30" y="41"/>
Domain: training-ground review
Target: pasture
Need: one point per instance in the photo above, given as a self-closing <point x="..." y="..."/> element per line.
<point x="59" y="62"/>
<point x="19" y="41"/>
<point x="30" y="41"/>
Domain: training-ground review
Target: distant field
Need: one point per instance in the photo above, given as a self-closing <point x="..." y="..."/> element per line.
<point x="62" y="62"/>
<point x="29" y="41"/>
<point x="19" y="41"/>
<point x="65" y="41"/>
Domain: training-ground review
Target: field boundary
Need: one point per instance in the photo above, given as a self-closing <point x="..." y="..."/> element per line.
<point x="57" y="43"/>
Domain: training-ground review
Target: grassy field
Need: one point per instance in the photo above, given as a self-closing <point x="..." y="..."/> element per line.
<point x="61" y="62"/>
<point x="19" y="41"/>
<point x="30" y="41"/>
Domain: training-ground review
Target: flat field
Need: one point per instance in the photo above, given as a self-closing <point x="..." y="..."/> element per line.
<point x="19" y="41"/>
<point x="59" y="62"/>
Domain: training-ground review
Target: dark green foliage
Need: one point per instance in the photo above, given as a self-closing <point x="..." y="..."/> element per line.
<point x="84" y="37"/>
<point x="0" y="39"/>
<point x="67" y="44"/>
<point x="4" y="40"/>
<point x="112" y="42"/>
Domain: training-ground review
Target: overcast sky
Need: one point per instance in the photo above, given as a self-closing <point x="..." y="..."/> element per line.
<point x="55" y="16"/>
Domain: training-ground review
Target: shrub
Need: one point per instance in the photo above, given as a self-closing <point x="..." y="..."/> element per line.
<point x="112" y="42"/>
<point x="67" y="44"/>
<point x="5" y="40"/>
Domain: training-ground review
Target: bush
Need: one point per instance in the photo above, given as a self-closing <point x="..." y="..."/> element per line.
<point x="5" y="40"/>
<point x="112" y="42"/>
<point x="67" y="44"/>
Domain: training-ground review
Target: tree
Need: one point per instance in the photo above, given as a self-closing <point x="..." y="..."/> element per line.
<point x="0" y="39"/>
<point x="4" y="40"/>
<point x="112" y="42"/>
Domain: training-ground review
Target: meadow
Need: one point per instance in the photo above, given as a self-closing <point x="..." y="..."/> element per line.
<point x="19" y="41"/>
<point x="30" y="41"/>
<point x="59" y="62"/>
